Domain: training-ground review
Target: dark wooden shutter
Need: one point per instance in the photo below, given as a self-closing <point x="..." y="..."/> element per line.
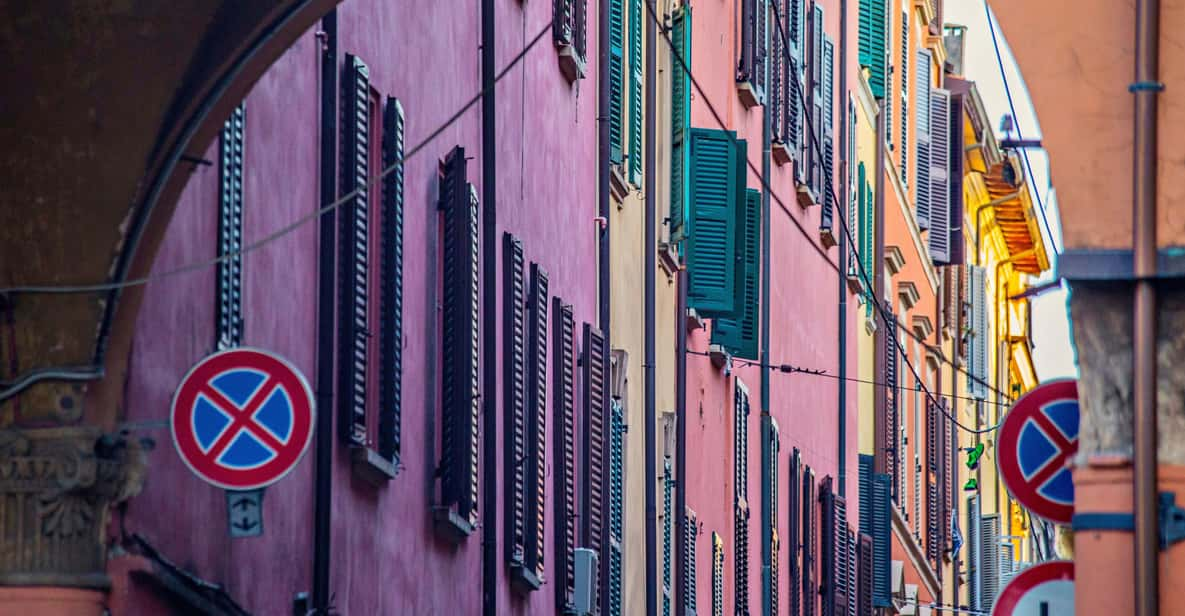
<point x="616" y="78"/>
<point x="514" y="337"/>
<point x="690" y="533"/>
<point x="741" y="499"/>
<point x="459" y="347"/>
<point x="853" y="573"/>
<point x="636" y="19"/>
<point x="794" y="538"/>
<point x="616" y="506"/>
<point x="892" y="424"/>
<point x="680" y="123"/>
<point x="835" y="572"/>
<point x="882" y="517"/>
<point x="776" y="92"/>
<point x="747" y="57"/>
<point x="904" y="145"/>
<point x="810" y="532"/>
<point x="391" y="319"/>
<point x="827" y="136"/>
<point x="716" y="194"/>
<point x="596" y="371"/>
<point x="795" y="89"/>
<point x="570" y="25"/>
<point x="866" y="582"/>
<point x="760" y="48"/>
<point x="536" y="465"/>
<point x="740" y="334"/>
<point x="872" y="43"/>
<point x="957" y="248"/>
<point x="564" y="452"/>
<point x="922" y="166"/>
<point x="229" y="275"/>
<point x="770" y="516"/>
<point x="717" y="575"/>
<point x="940" y="155"/>
<point x="865" y="472"/>
<point x="815" y="136"/>
<point x="353" y="244"/>
<point x="668" y="524"/>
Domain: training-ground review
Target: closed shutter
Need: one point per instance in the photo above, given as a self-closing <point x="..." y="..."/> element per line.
<point x="739" y="334"/>
<point x="776" y="90"/>
<point x="834" y="572"/>
<point x="1007" y="563"/>
<point x="853" y="574"/>
<point x="740" y="498"/>
<point x="770" y="516"/>
<point x="741" y="557"/>
<point x="957" y="249"/>
<point x="867" y="575"/>
<point x="564" y="452"/>
<point x="814" y="139"/>
<point x="872" y="44"/>
<point x="796" y="9"/>
<point x="635" y="88"/>
<point x="810" y="508"/>
<point x="886" y="114"/>
<point x="717" y="192"/>
<point x="864" y="226"/>
<point x="904" y="99"/>
<point x="794" y="538"/>
<point x="229" y="275"/>
<point x="616" y="78"/>
<point x="459" y="345"/>
<point x="595" y="364"/>
<point x="940" y="154"/>
<point x="690" y="534"/>
<point x="775" y="572"/>
<point x="921" y="109"/>
<point x="933" y="526"/>
<point x="391" y="319"/>
<point x="717" y="575"/>
<point x="974" y="554"/>
<point x="892" y="435"/>
<point x="616" y="505"/>
<point x="977" y="379"/>
<point x="865" y="474"/>
<point x="882" y="539"/>
<point x="989" y="561"/>
<point x="536" y="418"/>
<point x="514" y="337"/>
<point x="680" y="123"/>
<point x="828" y="141"/>
<point x="668" y="483"/>
<point x="353" y="243"/>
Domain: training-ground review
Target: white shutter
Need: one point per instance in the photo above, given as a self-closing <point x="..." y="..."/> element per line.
<point x="939" y="236"/>
<point x="921" y="106"/>
<point x="977" y="378"/>
<point x="989" y="561"/>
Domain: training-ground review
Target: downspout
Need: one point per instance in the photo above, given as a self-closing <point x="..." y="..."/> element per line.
<point x="841" y="275"/>
<point x="878" y="291"/>
<point x="1145" y="89"/>
<point x="979" y="210"/>
<point x="681" y="440"/>
<point x="650" y="248"/>
<point x="768" y="455"/>
<point x="489" y="315"/>
<point x="603" y="205"/>
<point x="326" y="281"/>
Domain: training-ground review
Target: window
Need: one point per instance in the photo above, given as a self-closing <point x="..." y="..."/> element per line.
<point x="770" y="516"/>
<point x="904" y="99"/>
<point x="717" y="575"/>
<point x="827" y="198"/>
<point x="872" y="43"/>
<point x="835" y="551"/>
<point x="751" y="61"/>
<point x="690" y="534"/>
<point x="457" y="511"/>
<point x="738" y="334"/>
<point x="891" y="436"/>
<point x="978" y="360"/>
<point x="570" y="32"/>
<point x="229" y="275"/>
<point x="922" y="164"/>
<point x="668" y="484"/>
<point x="371" y="277"/>
<point x="794" y="539"/>
<point x="741" y="496"/>
<point x="616" y="79"/>
<point x="717" y="196"/>
<point x="680" y="123"/>
<point x="596" y="440"/>
<point x="564" y="452"/>
<point x="810" y="530"/>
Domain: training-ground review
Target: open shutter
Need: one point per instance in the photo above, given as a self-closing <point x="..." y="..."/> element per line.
<point x="922" y="167"/>
<point x="459" y="346"/>
<point x="536" y="419"/>
<point x="810" y="539"/>
<point x="717" y="575"/>
<point x="716" y="194"/>
<point x="828" y="131"/>
<point x="770" y="517"/>
<point x="989" y="561"/>
<point x="668" y="484"/>
<point x="514" y="398"/>
<point x="866" y="582"/>
<point x="794" y="538"/>
<point x="616" y="78"/>
<point x="871" y="43"/>
<point x="635" y="87"/>
<point x="596" y="362"/>
<point x="815" y="144"/>
<point x="739" y="334"/>
<point x="957" y="250"/>
<point x="882" y="539"/>
<point x="680" y="123"/>
<point x="229" y="275"/>
<point x="904" y="98"/>
<point x="853" y="596"/>
<point x="391" y="319"/>
<point x="564" y="453"/>
<point x="740" y="498"/>
<point x="616" y="505"/>
<point x="892" y="425"/>
<point x="775" y="92"/>
<point x="690" y="533"/>
<point x="974" y="554"/>
<point x="828" y="559"/>
<point x="794" y="86"/>
<point x="979" y="335"/>
<point x="939" y="236"/>
<point x="353" y="243"/>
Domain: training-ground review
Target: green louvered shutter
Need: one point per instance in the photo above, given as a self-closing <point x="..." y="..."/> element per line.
<point x="690" y="533"/>
<point x="864" y="228"/>
<point x="739" y="334"/>
<point x="668" y="484"/>
<point x="616" y="505"/>
<point x="680" y="123"/>
<point x="871" y="43"/>
<point x="882" y="542"/>
<point x="616" y="78"/>
<point x="635" y="87"/>
<point x="717" y="180"/>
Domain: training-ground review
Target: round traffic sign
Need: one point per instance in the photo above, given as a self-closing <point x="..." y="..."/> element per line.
<point x="242" y="418"/>
<point x="1037" y="439"/>
<point x="1045" y="589"/>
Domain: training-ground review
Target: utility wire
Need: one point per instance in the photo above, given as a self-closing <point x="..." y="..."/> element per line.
<point x="371" y="184"/>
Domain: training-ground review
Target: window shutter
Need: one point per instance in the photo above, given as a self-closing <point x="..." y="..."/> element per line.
<point x="882" y="520"/>
<point x="596" y="369"/>
<point x="716" y="195"/>
<point x="761" y="49"/>
<point x="229" y="275"/>
<point x="514" y="398"/>
<point x="933" y="523"/>
<point x="536" y="419"/>
<point x="635" y="110"/>
<point x="774" y="571"/>
<point x="853" y="597"/>
<point x="904" y="98"/>
<point x="892" y="436"/>
<point x="864" y="226"/>
<point x="741" y="559"/>
<point x="922" y="166"/>
<point x="740" y="498"/>
<point x="459" y="324"/>
<point x="680" y="123"/>
<point x="871" y="43"/>
<point x="886" y="114"/>
<point x="739" y="334"/>
<point x="616" y="78"/>
<point x="940" y="154"/>
<point x="668" y="484"/>
<point x="867" y="574"/>
<point x="795" y="20"/>
<point x="770" y="517"/>
<point x="776" y="93"/>
<point x="828" y="562"/>
<point x="794" y="539"/>
<point x="828" y="142"/>
<point x="564" y="452"/>
<point x="690" y="531"/>
<point x="353" y="245"/>
<point x="989" y="559"/>
<point x="570" y="25"/>
<point x="616" y="504"/>
<point x="866" y="465"/>
<point x="979" y="335"/>
<point x="815" y="143"/>
<point x="957" y="251"/>
<point x="810" y="531"/>
<point x="974" y="554"/>
<point x="717" y="575"/>
<point x="391" y="375"/>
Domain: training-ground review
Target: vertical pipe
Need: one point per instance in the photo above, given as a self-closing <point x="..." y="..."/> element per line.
<point x="603" y="149"/>
<point x="650" y="247"/>
<point x="767" y="453"/>
<point x="1144" y="336"/>
<point x="489" y="315"/>
<point x="323" y="463"/>
<point x="841" y="275"/>
<point x="681" y="441"/>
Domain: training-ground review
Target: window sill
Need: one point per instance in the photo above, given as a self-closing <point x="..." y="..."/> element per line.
<point x="371" y="467"/>
<point x="571" y="64"/>
<point x="748" y="94"/>
<point x="524" y="579"/>
<point x="694" y="321"/>
<point x="720" y="357"/>
<point x="827" y="237"/>
<point x="806" y="196"/>
<point x="781" y="154"/>
<point x="668" y="258"/>
<point x="617" y="184"/>
<point x="450" y="525"/>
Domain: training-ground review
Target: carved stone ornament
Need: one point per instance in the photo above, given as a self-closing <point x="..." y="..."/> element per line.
<point x="56" y="488"/>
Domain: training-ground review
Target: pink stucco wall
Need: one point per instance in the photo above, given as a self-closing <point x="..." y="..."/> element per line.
<point x="386" y="557"/>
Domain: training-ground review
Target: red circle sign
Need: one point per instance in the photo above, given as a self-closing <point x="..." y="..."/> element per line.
<point x="1036" y="441"/>
<point x="1044" y="588"/>
<point x="242" y="418"/>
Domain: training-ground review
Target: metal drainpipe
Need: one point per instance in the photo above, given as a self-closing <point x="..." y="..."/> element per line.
<point x="841" y="246"/>
<point x="489" y="314"/>
<point x="681" y="441"/>
<point x="767" y="453"/>
<point x="979" y="210"/>
<point x="1144" y="323"/>
<point x="650" y="247"/>
<point x="326" y="282"/>
<point x="603" y="205"/>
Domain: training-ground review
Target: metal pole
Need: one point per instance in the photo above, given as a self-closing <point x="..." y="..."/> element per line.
<point x="841" y="277"/>
<point x="489" y="314"/>
<point x="650" y="247"/>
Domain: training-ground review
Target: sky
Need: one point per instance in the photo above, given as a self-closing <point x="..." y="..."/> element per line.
<point x="1053" y="351"/>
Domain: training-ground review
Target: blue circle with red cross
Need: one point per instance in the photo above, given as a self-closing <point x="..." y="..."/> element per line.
<point x="1036" y="444"/>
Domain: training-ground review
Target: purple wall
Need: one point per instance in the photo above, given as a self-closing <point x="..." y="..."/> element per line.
<point x="386" y="557"/>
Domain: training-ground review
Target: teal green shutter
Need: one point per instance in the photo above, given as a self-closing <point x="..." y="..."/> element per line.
<point x="635" y="119"/>
<point x="739" y="334"/>
<point x="680" y="123"/>
<point x="616" y="74"/>
<point x="668" y="483"/>
<point x="871" y="42"/>
<point x="616" y="505"/>
<point x="716" y="193"/>
<point x="882" y="542"/>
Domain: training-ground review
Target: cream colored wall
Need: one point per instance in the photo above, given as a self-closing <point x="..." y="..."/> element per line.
<point x="865" y="132"/>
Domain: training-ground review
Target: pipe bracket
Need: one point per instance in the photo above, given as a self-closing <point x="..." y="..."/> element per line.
<point x="1172" y="520"/>
<point x="1146" y="86"/>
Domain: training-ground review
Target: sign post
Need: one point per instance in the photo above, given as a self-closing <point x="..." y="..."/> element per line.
<point x="1036" y="441"/>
